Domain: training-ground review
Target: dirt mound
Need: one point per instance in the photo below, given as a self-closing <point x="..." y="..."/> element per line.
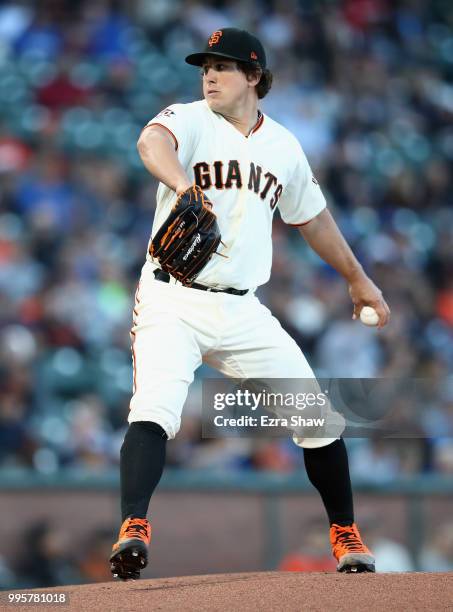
<point x="264" y="591"/>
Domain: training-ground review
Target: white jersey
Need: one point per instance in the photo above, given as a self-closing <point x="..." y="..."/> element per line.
<point x="246" y="179"/>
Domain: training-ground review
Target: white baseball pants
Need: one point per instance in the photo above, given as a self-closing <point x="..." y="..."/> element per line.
<point x="177" y="328"/>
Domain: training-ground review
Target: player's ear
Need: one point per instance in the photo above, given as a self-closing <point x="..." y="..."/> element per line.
<point x="254" y="77"/>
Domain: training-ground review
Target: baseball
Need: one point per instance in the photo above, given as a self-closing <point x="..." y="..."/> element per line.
<point x="369" y="316"/>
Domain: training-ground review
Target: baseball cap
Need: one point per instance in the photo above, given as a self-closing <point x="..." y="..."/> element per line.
<point x="231" y="43"/>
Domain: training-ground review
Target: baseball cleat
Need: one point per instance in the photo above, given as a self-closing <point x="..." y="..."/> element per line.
<point x="130" y="552"/>
<point x="352" y="555"/>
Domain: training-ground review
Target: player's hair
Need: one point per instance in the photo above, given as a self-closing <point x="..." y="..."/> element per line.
<point x="253" y="69"/>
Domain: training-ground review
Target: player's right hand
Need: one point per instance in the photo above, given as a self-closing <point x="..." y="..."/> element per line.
<point x="364" y="292"/>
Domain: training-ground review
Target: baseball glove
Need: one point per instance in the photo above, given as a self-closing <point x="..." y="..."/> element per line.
<point x="188" y="238"/>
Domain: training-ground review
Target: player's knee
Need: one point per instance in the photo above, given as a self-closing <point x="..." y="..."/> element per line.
<point x="157" y="417"/>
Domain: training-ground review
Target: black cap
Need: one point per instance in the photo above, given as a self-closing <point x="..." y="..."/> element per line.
<point x="231" y="43"/>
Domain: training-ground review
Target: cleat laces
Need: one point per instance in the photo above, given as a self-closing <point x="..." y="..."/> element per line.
<point x="136" y="528"/>
<point x="350" y="540"/>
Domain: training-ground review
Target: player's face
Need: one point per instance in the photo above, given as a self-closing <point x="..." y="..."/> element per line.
<point x="224" y="85"/>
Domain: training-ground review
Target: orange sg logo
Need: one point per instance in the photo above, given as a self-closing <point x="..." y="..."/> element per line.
<point x="215" y="37"/>
<point x="253" y="55"/>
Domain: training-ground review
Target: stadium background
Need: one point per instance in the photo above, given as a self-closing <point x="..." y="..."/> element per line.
<point x="367" y="87"/>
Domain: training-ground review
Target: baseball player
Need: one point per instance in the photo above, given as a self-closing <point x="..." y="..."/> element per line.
<point x="222" y="156"/>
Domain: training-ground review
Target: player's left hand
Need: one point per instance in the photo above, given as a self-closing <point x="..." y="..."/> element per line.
<point x="364" y="292"/>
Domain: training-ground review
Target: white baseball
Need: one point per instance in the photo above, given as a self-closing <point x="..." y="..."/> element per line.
<point x="369" y="316"/>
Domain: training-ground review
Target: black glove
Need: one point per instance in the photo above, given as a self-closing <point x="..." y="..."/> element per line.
<point x="188" y="238"/>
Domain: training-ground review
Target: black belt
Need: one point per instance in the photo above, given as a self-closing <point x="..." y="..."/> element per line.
<point x="160" y="275"/>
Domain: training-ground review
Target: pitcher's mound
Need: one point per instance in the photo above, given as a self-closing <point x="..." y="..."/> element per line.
<point x="264" y="591"/>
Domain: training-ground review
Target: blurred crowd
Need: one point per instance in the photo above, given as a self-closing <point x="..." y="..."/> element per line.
<point x="367" y="88"/>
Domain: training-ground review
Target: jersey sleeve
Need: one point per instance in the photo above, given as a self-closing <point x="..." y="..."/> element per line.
<point x="302" y="199"/>
<point x="180" y="122"/>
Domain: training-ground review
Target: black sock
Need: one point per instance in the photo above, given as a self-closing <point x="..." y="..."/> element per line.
<point x="328" y="470"/>
<point x="142" y="460"/>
